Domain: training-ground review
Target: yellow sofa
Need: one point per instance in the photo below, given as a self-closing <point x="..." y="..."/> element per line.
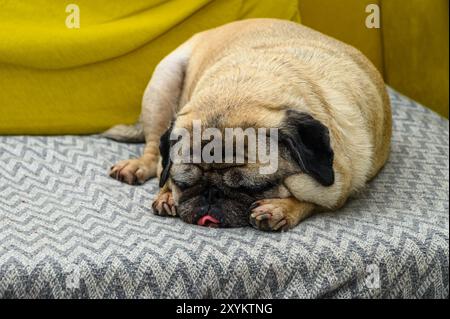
<point x="58" y="80"/>
<point x="410" y="49"/>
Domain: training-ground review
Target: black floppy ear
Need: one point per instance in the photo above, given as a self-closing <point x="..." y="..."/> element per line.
<point x="164" y="151"/>
<point x="308" y="141"/>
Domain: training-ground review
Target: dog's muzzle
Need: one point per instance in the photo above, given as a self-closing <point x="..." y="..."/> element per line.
<point x="209" y="214"/>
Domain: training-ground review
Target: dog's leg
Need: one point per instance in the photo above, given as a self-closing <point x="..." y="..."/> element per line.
<point x="279" y="214"/>
<point x="159" y="106"/>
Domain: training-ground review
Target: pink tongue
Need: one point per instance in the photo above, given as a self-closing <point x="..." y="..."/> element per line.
<point x="207" y="219"/>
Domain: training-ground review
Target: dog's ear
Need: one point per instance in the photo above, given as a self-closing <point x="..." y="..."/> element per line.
<point x="164" y="151"/>
<point x="308" y="141"/>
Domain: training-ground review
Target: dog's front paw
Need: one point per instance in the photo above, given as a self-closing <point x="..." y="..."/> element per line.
<point x="133" y="171"/>
<point x="164" y="205"/>
<point x="268" y="216"/>
<point x="278" y="214"/>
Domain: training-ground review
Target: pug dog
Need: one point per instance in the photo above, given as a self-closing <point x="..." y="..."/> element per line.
<point x="326" y="99"/>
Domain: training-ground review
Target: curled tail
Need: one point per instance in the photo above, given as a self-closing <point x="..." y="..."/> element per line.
<point x="126" y="133"/>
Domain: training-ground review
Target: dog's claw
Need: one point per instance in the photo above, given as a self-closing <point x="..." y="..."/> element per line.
<point x="282" y="223"/>
<point x="263" y="216"/>
<point x="167" y="208"/>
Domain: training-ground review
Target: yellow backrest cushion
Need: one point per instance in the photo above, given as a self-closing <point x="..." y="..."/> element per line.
<point x="56" y="80"/>
<point x="345" y="20"/>
<point x="416" y="44"/>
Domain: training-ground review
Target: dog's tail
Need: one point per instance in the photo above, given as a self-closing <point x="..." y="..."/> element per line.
<point x="126" y="133"/>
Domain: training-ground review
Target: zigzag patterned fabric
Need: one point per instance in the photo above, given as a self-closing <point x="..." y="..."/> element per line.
<point x="67" y="230"/>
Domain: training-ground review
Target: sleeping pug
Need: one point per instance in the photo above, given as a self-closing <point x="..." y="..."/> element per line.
<point x="327" y="101"/>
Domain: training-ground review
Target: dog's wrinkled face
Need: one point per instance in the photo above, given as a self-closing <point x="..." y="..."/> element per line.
<point x="221" y="194"/>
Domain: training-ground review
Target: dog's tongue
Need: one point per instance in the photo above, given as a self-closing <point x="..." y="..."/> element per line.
<point x="208" y="220"/>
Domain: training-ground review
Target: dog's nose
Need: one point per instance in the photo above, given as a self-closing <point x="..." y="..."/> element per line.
<point x="213" y="194"/>
<point x="208" y="221"/>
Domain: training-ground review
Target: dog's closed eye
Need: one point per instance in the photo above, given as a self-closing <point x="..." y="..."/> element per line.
<point x="185" y="175"/>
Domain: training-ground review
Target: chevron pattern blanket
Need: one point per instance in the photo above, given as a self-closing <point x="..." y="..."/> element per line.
<point x="67" y="230"/>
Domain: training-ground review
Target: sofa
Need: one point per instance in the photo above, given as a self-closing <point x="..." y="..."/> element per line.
<point x="67" y="230"/>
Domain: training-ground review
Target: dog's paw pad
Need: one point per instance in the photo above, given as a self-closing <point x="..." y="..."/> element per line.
<point x="164" y="205"/>
<point x="268" y="217"/>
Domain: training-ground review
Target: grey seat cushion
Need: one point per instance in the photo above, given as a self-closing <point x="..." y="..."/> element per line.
<point x="68" y="230"/>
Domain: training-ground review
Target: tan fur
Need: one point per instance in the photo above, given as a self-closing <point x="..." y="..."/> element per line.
<point x="267" y="66"/>
<point x="280" y="213"/>
<point x="338" y="86"/>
